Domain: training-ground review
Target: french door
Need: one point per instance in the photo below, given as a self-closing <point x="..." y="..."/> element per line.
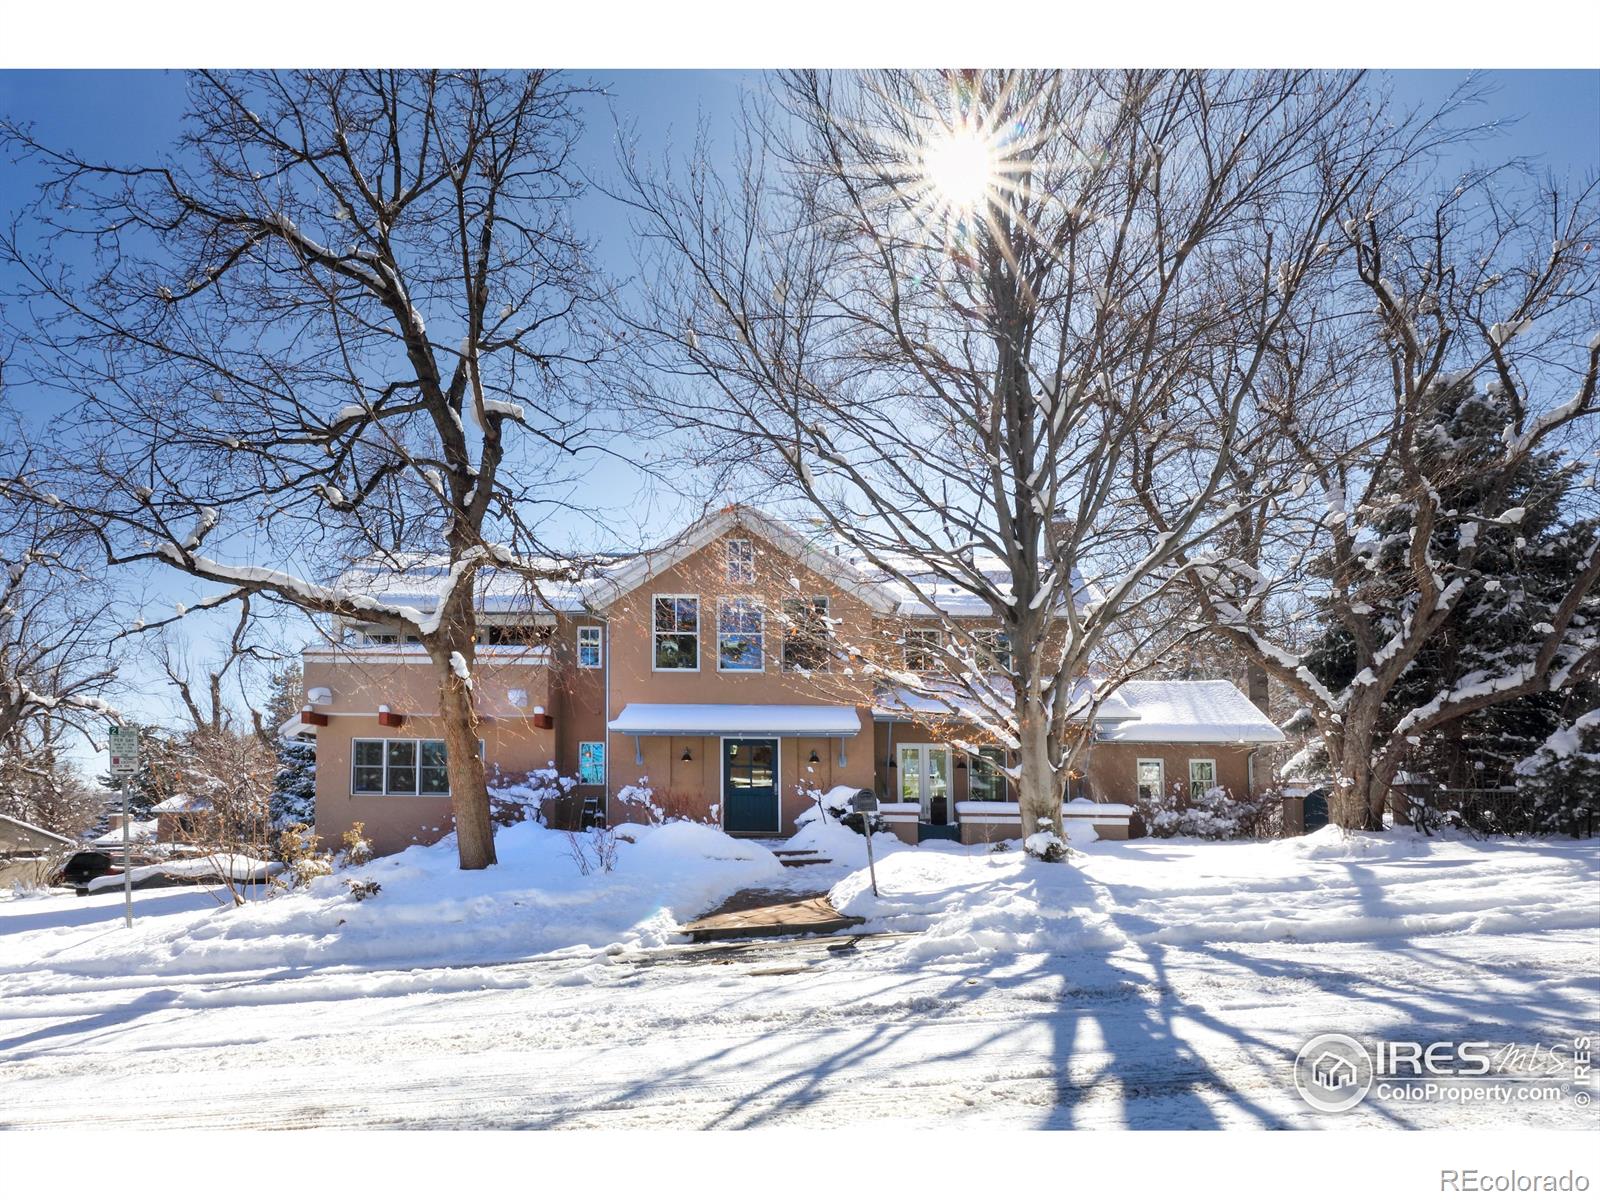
<point x="925" y="778"/>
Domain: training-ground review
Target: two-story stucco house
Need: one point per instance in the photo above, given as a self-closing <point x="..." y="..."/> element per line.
<point x="718" y="670"/>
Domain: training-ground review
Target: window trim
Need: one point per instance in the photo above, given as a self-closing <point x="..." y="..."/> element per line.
<point x="1215" y="782"/>
<point x="728" y="560"/>
<point x="604" y="763"/>
<point x="761" y="618"/>
<point x="598" y="645"/>
<point x="1138" y="769"/>
<point x="996" y="643"/>
<point x="656" y="634"/>
<point x="823" y="642"/>
<point x="384" y="766"/>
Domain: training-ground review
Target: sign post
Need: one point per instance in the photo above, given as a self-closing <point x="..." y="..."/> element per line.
<point x="123" y="748"/>
<point x="866" y="803"/>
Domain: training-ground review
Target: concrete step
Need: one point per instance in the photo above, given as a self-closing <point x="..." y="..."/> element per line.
<point x="761" y="914"/>
<point x="805" y="862"/>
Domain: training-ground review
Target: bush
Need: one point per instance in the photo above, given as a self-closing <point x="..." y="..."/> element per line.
<point x="1559" y="784"/>
<point x="357" y="851"/>
<point x="297" y="847"/>
<point x="1046" y="844"/>
<point x="536" y="797"/>
<point x="1214" y="815"/>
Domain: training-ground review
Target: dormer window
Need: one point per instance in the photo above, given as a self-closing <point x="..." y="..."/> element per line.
<point x="741" y="557"/>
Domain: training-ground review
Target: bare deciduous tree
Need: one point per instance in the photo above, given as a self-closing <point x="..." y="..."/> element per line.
<point x="969" y="317"/>
<point x="339" y="323"/>
<point x="1476" y="290"/>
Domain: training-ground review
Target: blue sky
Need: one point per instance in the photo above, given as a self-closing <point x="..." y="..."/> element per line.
<point x="1551" y="117"/>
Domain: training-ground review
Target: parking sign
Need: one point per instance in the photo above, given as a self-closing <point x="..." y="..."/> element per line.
<point x="123" y="745"/>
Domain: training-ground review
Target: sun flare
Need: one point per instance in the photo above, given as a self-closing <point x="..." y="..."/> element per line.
<point x="960" y="168"/>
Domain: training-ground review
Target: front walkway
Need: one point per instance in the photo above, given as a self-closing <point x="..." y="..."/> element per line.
<point x="768" y="913"/>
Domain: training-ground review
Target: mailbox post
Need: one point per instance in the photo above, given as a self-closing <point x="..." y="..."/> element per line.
<point x="866" y="803"/>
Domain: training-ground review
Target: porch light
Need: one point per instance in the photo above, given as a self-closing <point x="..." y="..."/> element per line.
<point x="813" y="760"/>
<point x="892" y="763"/>
<point x="686" y="756"/>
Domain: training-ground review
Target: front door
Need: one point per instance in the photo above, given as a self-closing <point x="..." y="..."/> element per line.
<point x="750" y="785"/>
<point x="925" y="779"/>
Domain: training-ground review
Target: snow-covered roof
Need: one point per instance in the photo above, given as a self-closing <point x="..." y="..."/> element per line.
<point x="947" y="594"/>
<point x="138" y="831"/>
<point x="418" y="581"/>
<point x="182" y="803"/>
<point x="1186" y="710"/>
<point x="954" y="699"/>
<point x="737" y="720"/>
<point x="15" y="833"/>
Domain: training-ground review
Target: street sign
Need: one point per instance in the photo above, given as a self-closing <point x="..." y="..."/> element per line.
<point x="123" y="746"/>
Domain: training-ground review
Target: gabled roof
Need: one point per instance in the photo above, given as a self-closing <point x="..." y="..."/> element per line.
<point x="835" y="568"/>
<point x="1187" y="710"/>
<point x="15" y="833"/>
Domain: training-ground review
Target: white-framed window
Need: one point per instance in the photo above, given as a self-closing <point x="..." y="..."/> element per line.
<point x="806" y="634"/>
<point x="399" y="767"/>
<point x="592" y="763"/>
<point x="988" y="781"/>
<point x="996" y="645"/>
<point x="1150" y="775"/>
<point x="741" y="560"/>
<point x="922" y="649"/>
<point x="1202" y="775"/>
<point x="741" y="635"/>
<point x="591" y="653"/>
<point x="676" y="625"/>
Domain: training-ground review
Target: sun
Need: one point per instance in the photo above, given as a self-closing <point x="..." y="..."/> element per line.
<point x="960" y="168"/>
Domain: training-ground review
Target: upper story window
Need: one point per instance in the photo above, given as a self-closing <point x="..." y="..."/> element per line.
<point x="996" y="645"/>
<point x="806" y="634"/>
<point x="741" y="636"/>
<point x="922" y="649"/>
<point x="514" y="635"/>
<point x="676" y="631"/>
<point x="590" y="650"/>
<point x="741" y="560"/>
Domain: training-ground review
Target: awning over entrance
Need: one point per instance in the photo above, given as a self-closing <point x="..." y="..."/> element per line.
<point x="737" y="720"/>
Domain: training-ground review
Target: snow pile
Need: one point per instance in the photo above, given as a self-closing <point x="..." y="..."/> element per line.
<point x="241" y="868"/>
<point x="428" y="912"/>
<point x="969" y="904"/>
<point x="827" y="838"/>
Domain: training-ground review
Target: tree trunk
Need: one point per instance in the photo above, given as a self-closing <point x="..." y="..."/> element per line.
<point x="1037" y="796"/>
<point x="469" y="789"/>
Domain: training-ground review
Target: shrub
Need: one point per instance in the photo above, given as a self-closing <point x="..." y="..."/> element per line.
<point x="297" y="847"/>
<point x="1214" y="815"/>
<point x="541" y="794"/>
<point x="357" y="851"/>
<point x="1046" y="844"/>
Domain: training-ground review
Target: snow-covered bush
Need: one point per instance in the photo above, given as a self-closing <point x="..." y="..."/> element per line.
<point x="642" y="804"/>
<point x="638" y="803"/>
<point x="357" y="851"/>
<point x="1214" y="815"/>
<point x="1046" y="844"/>
<point x="835" y="805"/>
<point x="533" y="798"/>
<point x="1560" y="782"/>
<point x="303" y="862"/>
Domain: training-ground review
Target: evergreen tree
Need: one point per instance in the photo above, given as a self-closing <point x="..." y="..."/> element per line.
<point x="287" y="686"/>
<point x="1528" y="551"/>
<point x="294" y="788"/>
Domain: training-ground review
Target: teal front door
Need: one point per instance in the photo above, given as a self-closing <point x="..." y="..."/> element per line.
<point x="750" y="785"/>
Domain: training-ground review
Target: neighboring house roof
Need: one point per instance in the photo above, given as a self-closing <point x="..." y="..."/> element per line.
<point x="949" y="596"/>
<point x="182" y="803"/>
<point x="138" y="831"/>
<point x="735" y="720"/>
<point x="1187" y="710"/>
<point x="17" y="834"/>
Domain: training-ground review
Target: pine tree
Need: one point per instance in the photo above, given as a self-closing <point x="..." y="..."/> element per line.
<point x="294" y="788"/>
<point x="1527" y="553"/>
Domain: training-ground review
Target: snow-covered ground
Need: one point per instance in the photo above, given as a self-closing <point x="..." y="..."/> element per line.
<point x="1151" y="984"/>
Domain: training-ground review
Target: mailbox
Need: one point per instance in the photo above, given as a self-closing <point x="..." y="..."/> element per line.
<point x="864" y="802"/>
